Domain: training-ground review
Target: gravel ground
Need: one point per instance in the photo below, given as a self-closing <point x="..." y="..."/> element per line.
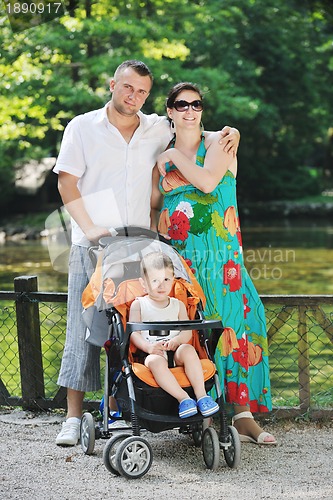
<point x="33" y="467"/>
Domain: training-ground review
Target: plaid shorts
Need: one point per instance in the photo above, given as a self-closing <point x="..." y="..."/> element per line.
<point x="80" y="365"/>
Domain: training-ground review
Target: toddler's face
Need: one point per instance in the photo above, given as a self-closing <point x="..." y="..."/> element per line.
<point x="158" y="283"/>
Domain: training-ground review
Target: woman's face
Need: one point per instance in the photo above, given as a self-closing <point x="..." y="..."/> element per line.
<point x="189" y="118"/>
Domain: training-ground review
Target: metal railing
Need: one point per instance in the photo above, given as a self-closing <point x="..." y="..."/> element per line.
<point x="32" y="335"/>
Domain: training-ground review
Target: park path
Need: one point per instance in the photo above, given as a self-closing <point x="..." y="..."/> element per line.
<point x="32" y="466"/>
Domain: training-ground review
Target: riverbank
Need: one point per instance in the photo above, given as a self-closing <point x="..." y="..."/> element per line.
<point x="292" y="209"/>
<point x="32" y="226"/>
<point x="23" y="226"/>
<point x="284" y="255"/>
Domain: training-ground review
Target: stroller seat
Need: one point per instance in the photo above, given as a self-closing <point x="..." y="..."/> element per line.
<point x="180" y="291"/>
<point x="121" y="298"/>
<point x="144" y="374"/>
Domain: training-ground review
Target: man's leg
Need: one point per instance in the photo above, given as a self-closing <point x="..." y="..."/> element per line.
<point x="74" y="403"/>
<point x="80" y="362"/>
<point x="70" y="431"/>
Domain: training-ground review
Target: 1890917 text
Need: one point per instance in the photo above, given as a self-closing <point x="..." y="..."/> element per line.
<point x="27" y="14"/>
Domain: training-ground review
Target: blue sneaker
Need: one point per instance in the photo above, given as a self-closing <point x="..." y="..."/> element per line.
<point x="101" y="405"/>
<point x="113" y="415"/>
<point x="187" y="408"/>
<point x="207" y="406"/>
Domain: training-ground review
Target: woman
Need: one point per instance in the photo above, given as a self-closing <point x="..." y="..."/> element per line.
<point x="199" y="215"/>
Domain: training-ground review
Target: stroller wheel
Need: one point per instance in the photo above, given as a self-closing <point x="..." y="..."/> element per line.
<point x="211" y="448"/>
<point x="197" y="437"/>
<point x="232" y="453"/>
<point x="198" y="430"/>
<point x="87" y="433"/>
<point x="134" y="457"/>
<point x="109" y="452"/>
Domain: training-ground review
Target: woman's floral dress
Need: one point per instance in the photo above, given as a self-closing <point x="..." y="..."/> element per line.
<point x="204" y="228"/>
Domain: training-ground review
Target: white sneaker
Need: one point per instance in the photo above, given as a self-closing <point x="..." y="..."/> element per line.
<point x="70" y="433"/>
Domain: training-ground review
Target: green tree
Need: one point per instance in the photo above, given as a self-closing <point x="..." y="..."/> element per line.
<point x="274" y="61"/>
<point x="265" y="66"/>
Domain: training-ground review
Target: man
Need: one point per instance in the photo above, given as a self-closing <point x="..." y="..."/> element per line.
<point x="104" y="172"/>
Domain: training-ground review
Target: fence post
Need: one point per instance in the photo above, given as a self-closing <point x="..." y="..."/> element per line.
<point x="29" y="341"/>
<point x="303" y="360"/>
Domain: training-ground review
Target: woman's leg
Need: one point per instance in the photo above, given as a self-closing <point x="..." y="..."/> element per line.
<point x="247" y="426"/>
<point x="163" y="376"/>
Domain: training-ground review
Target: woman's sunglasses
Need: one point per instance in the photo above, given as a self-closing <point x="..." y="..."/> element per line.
<point x="184" y="105"/>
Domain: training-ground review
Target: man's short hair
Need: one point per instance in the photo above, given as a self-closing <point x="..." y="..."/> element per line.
<point x="138" y="66"/>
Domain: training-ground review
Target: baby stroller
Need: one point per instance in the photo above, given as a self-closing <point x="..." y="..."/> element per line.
<point x="145" y="406"/>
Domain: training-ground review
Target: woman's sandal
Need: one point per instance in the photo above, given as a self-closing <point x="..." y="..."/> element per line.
<point x="248" y="439"/>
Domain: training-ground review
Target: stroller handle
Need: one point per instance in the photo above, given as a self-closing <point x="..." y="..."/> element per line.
<point x="175" y="325"/>
<point x="127" y="232"/>
<point x="132" y="232"/>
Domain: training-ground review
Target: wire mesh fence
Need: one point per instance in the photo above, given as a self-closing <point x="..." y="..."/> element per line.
<point x="300" y="349"/>
<point x="300" y="332"/>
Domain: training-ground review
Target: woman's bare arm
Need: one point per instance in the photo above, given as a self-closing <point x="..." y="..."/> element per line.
<point x="205" y="178"/>
<point x="156" y="200"/>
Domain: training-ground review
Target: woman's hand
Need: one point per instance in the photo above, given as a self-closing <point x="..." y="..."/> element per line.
<point x="165" y="157"/>
<point x="230" y="138"/>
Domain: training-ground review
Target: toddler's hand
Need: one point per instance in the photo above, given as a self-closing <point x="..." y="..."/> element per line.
<point x="157" y="348"/>
<point x="171" y="345"/>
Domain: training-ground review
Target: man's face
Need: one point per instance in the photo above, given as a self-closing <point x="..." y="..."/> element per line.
<point x="129" y="91"/>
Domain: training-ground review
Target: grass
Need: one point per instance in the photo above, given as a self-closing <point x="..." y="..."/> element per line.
<point x="283" y="356"/>
<point x="284" y="359"/>
<point x="53" y="331"/>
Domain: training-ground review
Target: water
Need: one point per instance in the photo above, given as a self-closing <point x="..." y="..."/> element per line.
<point x="292" y="257"/>
<point x="287" y="258"/>
<point x="29" y="258"/>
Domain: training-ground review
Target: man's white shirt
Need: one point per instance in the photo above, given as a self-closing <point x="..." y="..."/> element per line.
<point x="115" y="177"/>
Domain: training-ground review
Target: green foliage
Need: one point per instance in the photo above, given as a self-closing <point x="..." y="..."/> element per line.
<point x="265" y="66"/>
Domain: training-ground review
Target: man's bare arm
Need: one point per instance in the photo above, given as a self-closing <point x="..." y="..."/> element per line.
<point x="72" y="199"/>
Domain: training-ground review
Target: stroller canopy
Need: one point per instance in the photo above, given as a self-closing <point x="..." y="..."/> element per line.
<point x="115" y="279"/>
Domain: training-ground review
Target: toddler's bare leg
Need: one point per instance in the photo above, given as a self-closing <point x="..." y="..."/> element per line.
<point x="187" y="356"/>
<point x="158" y="365"/>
